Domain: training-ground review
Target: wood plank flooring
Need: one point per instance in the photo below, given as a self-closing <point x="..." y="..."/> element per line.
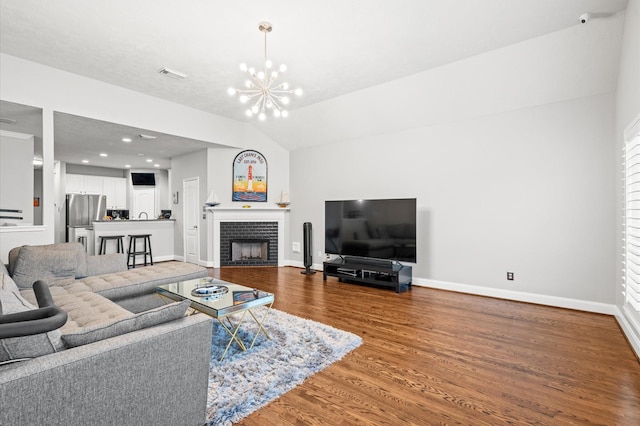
<point x="443" y="358"/>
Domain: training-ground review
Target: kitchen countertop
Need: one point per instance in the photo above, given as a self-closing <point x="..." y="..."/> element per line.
<point x="134" y="220"/>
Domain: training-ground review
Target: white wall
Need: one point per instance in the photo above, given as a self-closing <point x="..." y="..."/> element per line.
<point x="186" y="167"/>
<point x="16" y="176"/>
<point x="528" y="191"/>
<point x="509" y="154"/>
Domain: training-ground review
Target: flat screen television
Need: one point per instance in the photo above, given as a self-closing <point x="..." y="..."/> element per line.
<point x="143" y="179"/>
<point x="379" y="229"/>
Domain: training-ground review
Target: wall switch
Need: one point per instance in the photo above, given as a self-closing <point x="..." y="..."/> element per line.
<point x="510" y="276"/>
<point x="295" y="247"/>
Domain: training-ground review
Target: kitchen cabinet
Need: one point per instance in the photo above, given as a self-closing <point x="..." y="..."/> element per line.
<point x="83" y="184"/>
<point x="114" y="188"/>
<point x="116" y="191"/>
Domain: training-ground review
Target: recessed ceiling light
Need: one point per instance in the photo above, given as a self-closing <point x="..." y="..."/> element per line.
<point x="85" y="161"/>
<point x="128" y="166"/>
<point x="149" y="160"/>
<point x="104" y="154"/>
<point x="140" y="155"/>
<point x="156" y="165"/>
<point x="126" y="139"/>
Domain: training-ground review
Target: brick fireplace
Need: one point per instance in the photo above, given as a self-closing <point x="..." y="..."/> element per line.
<point x="248" y="243"/>
<point x="257" y="233"/>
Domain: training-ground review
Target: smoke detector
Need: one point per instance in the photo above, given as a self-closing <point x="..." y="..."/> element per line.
<point x="177" y="75"/>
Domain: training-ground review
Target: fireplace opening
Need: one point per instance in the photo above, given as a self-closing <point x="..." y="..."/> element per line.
<point x="249" y="249"/>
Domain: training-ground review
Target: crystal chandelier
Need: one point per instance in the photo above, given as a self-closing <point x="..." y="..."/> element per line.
<point x="261" y="88"/>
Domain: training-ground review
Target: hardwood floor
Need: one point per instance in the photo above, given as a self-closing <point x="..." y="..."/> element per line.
<point x="437" y="357"/>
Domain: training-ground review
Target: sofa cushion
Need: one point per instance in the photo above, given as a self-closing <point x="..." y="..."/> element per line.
<point x="137" y="281"/>
<point x="23" y="347"/>
<point x="106" y="264"/>
<point x="139" y="321"/>
<point x="84" y="309"/>
<point x="54" y="263"/>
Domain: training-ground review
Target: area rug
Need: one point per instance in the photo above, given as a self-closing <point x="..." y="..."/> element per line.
<point x="246" y="381"/>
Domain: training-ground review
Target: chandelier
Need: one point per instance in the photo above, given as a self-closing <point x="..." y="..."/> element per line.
<point x="261" y="88"/>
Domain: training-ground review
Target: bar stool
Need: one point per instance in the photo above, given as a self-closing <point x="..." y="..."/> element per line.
<point x="116" y="238"/>
<point x="146" y="249"/>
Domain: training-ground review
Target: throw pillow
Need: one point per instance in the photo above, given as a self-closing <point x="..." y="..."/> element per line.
<point x="6" y="283"/>
<point x="16" y="348"/>
<point x="139" y="321"/>
<point x="55" y="263"/>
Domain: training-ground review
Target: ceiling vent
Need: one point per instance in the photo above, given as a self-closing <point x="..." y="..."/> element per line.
<point x="7" y="120"/>
<point x="177" y="75"/>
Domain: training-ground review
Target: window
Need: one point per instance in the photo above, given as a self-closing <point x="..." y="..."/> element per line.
<point x="631" y="223"/>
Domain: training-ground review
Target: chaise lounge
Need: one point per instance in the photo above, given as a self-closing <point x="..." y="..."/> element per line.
<point x="122" y="357"/>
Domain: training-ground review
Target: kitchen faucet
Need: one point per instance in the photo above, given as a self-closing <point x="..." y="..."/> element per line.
<point x="146" y="216"/>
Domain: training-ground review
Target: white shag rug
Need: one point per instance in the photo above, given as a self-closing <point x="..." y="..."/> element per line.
<point x="246" y="381"/>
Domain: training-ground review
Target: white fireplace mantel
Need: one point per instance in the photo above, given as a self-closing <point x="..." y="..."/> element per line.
<point x="227" y="214"/>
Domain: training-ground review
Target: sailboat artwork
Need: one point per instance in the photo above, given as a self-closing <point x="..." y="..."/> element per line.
<point x="284" y="199"/>
<point x="212" y="200"/>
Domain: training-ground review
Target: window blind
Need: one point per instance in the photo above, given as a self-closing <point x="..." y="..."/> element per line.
<point x="631" y="228"/>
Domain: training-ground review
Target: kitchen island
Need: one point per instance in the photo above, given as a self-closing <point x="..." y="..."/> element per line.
<point x="161" y="231"/>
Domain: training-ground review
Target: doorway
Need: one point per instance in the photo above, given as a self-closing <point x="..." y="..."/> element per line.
<point x="191" y="189"/>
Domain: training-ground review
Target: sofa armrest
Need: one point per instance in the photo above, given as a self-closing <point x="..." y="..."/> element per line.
<point x="106" y="264"/>
<point x="158" y="376"/>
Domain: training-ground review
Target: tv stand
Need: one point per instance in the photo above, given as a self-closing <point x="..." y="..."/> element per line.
<point x="369" y="271"/>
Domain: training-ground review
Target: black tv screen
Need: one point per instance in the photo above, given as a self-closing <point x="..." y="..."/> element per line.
<point x="145" y="179"/>
<point x="381" y="229"/>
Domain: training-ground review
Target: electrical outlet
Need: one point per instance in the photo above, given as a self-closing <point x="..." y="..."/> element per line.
<point x="510" y="276"/>
<point x="295" y="247"/>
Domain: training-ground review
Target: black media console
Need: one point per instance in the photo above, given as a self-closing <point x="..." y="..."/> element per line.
<point x="369" y="271"/>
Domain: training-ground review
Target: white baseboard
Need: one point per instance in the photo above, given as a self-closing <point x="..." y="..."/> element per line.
<point x="632" y="334"/>
<point x="519" y="296"/>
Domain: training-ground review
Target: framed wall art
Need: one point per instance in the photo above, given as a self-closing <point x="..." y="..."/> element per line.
<point x="249" y="177"/>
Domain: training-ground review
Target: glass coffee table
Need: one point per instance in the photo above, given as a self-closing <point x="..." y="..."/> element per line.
<point x="220" y="299"/>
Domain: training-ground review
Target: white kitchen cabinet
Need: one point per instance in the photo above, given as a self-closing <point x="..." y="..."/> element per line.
<point x="83" y="184"/>
<point x="116" y="191"/>
<point x="74" y="184"/>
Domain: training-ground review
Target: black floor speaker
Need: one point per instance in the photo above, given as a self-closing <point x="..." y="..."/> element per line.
<point x="308" y="249"/>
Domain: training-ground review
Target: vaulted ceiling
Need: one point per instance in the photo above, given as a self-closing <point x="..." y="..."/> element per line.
<point x="331" y="47"/>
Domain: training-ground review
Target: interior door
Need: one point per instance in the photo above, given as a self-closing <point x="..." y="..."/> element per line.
<point x="191" y="189"/>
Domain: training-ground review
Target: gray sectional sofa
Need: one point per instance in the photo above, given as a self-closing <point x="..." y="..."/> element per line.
<point x="124" y="356"/>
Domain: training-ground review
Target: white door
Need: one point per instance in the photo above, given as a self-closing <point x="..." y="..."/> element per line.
<point x="191" y="189"/>
<point x="144" y="201"/>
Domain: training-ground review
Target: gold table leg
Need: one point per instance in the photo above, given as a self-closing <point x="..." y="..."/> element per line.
<point x="232" y="329"/>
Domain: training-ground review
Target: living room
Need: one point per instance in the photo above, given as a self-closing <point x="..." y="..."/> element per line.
<point x="513" y="155"/>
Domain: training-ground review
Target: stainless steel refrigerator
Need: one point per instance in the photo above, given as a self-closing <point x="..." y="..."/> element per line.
<point x="83" y="209"/>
